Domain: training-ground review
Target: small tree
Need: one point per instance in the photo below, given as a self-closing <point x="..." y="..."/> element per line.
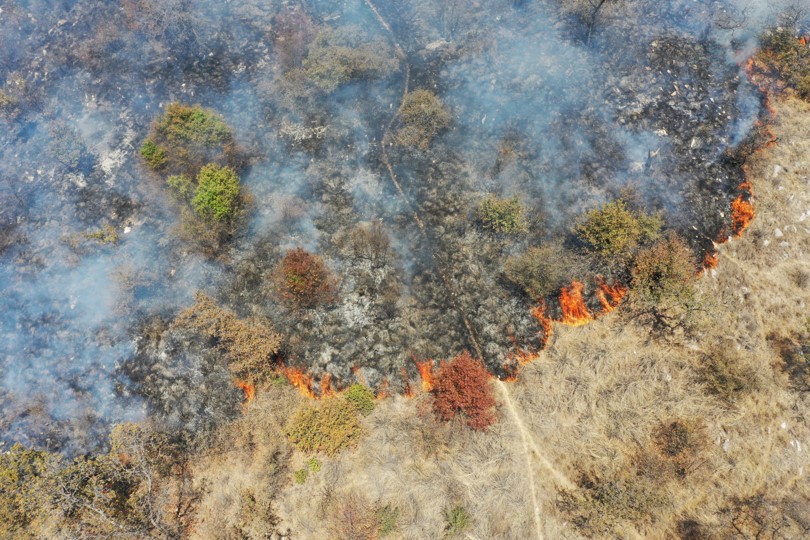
<point x="664" y="273"/>
<point x="613" y="231"/>
<point x="423" y="116"/>
<point x="217" y="195"/>
<point x="303" y="280"/>
<point x="503" y="216"/>
<point x="462" y="386"/>
<point x="539" y="271"/>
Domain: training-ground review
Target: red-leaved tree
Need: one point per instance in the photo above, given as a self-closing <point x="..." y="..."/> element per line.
<point x="462" y="386"/>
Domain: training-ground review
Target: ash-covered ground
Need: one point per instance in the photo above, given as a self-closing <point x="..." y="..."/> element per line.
<point x="554" y="103"/>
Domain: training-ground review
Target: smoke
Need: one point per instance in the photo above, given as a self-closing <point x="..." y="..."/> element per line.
<point x="561" y="111"/>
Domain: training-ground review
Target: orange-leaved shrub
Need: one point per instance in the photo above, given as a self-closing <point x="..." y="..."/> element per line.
<point x="461" y="386"/>
<point x="303" y="280"/>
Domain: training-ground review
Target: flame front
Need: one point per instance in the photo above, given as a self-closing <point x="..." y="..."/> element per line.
<point x="710" y="260"/>
<point x="248" y="389"/>
<point x="574" y="310"/>
<point x="300" y="380"/>
<point x="610" y="295"/>
<point x="742" y="214"/>
<point x="326" y="386"/>
<point x="426" y="373"/>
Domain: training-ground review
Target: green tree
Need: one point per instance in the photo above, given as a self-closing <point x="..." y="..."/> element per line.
<point x="217" y="194"/>
<point x="614" y="231"/>
<point x="502" y="216"/>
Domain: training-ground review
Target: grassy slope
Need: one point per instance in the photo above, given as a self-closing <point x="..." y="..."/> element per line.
<point x="591" y="403"/>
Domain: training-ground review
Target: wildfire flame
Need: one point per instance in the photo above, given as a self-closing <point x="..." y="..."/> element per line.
<point x="574" y="310"/>
<point x="300" y="380"/>
<point x="742" y="214"/>
<point x="425" y="369"/>
<point x="710" y="260"/>
<point x="610" y="295"/>
<point x="326" y="386"/>
<point x="383" y="392"/>
<point x="248" y="389"/>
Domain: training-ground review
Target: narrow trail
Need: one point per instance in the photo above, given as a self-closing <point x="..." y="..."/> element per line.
<point x="531" y="449"/>
<point x="387" y="140"/>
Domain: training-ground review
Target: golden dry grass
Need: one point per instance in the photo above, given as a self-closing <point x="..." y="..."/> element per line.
<point x="593" y="404"/>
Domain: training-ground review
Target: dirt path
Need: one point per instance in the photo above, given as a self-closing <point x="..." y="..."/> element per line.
<point x="531" y="450"/>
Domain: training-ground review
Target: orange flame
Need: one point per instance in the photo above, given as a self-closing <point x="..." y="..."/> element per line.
<point x="742" y="214"/>
<point x="426" y="373"/>
<point x="300" y="380"/>
<point x="710" y="260"/>
<point x="357" y="371"/>
<point x="539" y="313"/>
<point x="610" y="295"/>
<point x="383" y="392"/>
<point x="326" y="386"/>
<point x="248" y="389"/>
<point x="574" y="310"/>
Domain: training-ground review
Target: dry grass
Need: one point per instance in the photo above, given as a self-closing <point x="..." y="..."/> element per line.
<point x="593" y="406"/>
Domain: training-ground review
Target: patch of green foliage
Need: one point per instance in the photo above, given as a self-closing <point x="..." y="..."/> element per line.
<point x="301" y="475"/>
<point x="502" y="216"/>
<point x="786" y="54"/>
<point x="314" y="465"/>
<point x="361" y="398"/>
<point x="193" y="124"/>
<point x="539" y="271"/>
<point x="423" y="116"/>
<point x="181" y="185"/>
<point x="106" y="235"/>
<point x="614" y="231"/>
<point x="457" y="520"/>
<point x="328" y="427"/>
<point x="23" y="475"/>
<point x="154" y="155"/>
<point x="387" y="518"/>
<point x="217" y="194"/>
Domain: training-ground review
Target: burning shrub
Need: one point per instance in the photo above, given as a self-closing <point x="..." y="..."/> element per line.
<point x="328" y="426"/>
<point x="217" y="194"/>
<point x="248" y="344"/>
<point x="502" y="216"/>
<point x="664" y="273"/>
<point x="784" y="52"/>
<point x="303" y="280"/>
<point x="614" y="231"/>
<point x="462" y="386"/>
<point x="423" y="116"/>
<point x="361" y="397"/>
<point x="539" y="271"/>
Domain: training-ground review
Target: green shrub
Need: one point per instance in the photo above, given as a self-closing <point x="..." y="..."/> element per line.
<point x="725" y="376"/>
<point x="301" y="475"/>
<point x="106" y="235"/>
<point x="503" y="216"/>
<point x="458" y="520"/>
<point x="361" y="398"/>
<point x="181" y="185"/>
<point x="193" y="124"/>
<point x="613" y="230"/>
<point x="217" y="195"/>
<point x="154" y="155"/>
<point x="664" y="273"/>
<point x="387" y="518"/>
<point x="423" y="116"/>
<point x="539" y="271"/>
<point x="328" y="426"/>
<point x="784" y="53"/>
<point x="313" y="464"/>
